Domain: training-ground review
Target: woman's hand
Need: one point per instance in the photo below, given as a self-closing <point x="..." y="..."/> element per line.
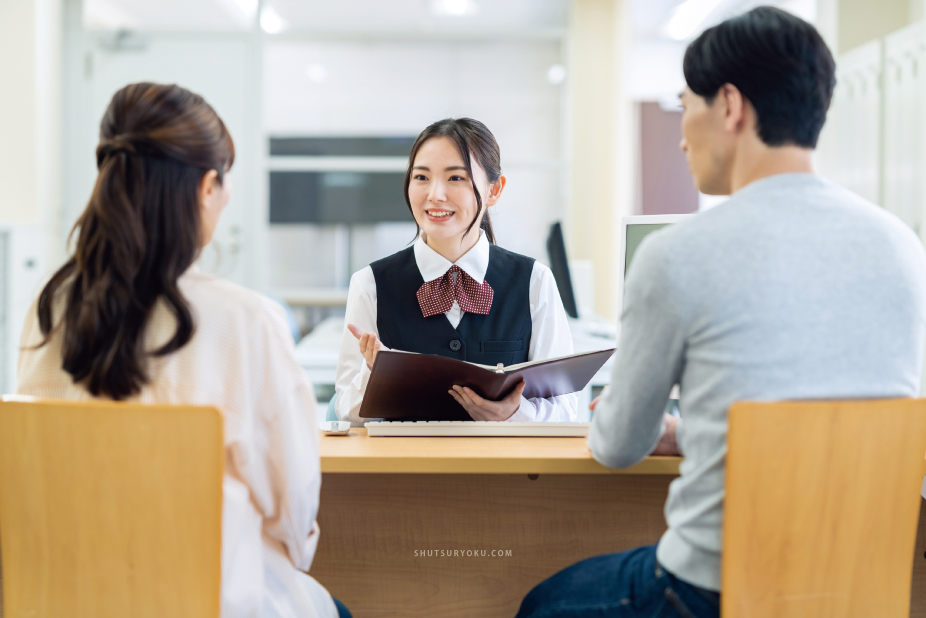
<point x="483" y="409"/>
<point x="369" y="344"/>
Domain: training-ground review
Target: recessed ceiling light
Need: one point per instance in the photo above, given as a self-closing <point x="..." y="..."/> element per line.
<point x="316" y="72"/>
<point x="457" y="8"/>
<point x="688" y="16"/>
<point x="556" y="74"/>
<point x="270" y="21"/>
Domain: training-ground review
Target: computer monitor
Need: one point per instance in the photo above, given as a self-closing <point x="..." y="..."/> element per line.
<point x="556" y="248"/>
<point x="633" y="231"/>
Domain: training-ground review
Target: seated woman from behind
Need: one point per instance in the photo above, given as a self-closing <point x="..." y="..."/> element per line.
<point x="128" y="317"/>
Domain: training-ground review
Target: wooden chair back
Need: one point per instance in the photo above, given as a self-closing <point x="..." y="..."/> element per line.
<point x="821" y="508"/>
<point x="110" y="510"/>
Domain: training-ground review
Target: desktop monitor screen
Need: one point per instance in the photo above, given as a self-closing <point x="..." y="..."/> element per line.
<point x="635" y="235"/>
<point x="633" y="231"/>
<point x="556" y="248"/>
<point x="337" y="197"/>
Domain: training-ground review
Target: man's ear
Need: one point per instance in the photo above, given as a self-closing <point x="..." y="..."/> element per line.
<point x="734" y="108"/>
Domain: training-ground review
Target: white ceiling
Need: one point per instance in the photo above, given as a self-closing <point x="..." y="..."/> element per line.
<point x="406" y="17"/>
<point x="655" y="59"/>
<point x="391" y="17"/>
<point x="651" y="16"/>
<point x="419" y="16"/>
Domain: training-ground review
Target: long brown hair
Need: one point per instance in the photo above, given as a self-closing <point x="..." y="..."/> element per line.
<point x="140" y="231"/>
<point x="469" y="136"/>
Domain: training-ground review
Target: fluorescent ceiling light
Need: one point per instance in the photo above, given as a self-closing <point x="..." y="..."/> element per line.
<point x="316" y="72"/>
<point x="248" y="7"/>
<point x="688" y="16"/>
<point x="457" y="8"/>
<point x="270" y="21"/>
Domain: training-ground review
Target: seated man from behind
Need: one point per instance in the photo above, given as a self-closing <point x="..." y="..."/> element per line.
<point x="794" y="288"/>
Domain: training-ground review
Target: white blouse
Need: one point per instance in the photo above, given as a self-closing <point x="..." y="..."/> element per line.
<point x="550" y="336"/>
<point x="241" y="359"/>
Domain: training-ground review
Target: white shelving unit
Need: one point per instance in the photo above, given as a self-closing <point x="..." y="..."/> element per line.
<point x="904" y="63"/>
<point x="850" y="146"/>
<point x="874" y="140"/>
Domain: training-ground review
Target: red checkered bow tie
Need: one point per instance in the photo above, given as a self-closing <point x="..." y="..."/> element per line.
<point x="437" y="296"/>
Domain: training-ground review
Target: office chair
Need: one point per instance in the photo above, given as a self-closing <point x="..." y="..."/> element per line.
<point x="821" y="509"/>
<point x="110" y="509"/>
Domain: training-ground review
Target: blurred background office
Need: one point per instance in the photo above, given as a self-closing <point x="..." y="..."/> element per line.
<point x="324" y="98"/>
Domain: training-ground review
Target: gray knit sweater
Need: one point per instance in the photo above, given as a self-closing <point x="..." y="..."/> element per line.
<point x="793" y="289"/>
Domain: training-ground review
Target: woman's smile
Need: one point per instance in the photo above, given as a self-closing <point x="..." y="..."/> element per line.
<point x="439" y="215"/>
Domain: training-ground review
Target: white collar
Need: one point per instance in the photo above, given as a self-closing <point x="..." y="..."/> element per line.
<point x="433" y="265"/>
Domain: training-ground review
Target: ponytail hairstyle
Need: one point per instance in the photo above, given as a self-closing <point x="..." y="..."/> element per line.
<point x="141" y="230"/>
<point x="472" y="138"/>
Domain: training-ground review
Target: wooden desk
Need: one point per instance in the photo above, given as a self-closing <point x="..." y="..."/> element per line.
<point x="918" y="592"/>
<point x="544" y="503"/>
<point x="359" y="453"/>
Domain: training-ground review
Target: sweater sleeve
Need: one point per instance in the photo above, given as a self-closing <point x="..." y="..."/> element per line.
<point x="627" y="423"/>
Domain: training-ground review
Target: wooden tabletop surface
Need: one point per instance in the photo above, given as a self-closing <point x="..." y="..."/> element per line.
<point x="359" y="453"/>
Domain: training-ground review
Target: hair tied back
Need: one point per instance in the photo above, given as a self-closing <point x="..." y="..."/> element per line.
<point x="116" y="144"/>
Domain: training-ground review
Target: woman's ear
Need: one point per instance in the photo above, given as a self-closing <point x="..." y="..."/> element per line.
<point x="209" y="189"/>
<point x="495" y="191"/>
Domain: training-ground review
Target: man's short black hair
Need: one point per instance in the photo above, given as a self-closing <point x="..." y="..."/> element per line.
<point x="778" y="62"/>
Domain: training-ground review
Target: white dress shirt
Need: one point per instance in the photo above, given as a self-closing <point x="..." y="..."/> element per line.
<point x="241" y="359"/>
<point x="550" y="336"/>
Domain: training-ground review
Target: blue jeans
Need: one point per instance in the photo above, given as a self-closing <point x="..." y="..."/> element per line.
<point x="343" y="612"/>
<point x="630" y="584"/>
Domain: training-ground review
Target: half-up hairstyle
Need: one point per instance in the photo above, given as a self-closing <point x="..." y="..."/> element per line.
<point x="141" y="230"/>
<point x="472" y="138"/>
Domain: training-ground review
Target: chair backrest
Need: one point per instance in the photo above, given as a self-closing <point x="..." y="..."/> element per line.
<point x="821" y="508"/>
<point x="110" y="509"/>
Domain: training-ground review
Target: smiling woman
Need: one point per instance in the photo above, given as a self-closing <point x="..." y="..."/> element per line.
<point x="455" y="293"/>
<point x="440" y="164"/>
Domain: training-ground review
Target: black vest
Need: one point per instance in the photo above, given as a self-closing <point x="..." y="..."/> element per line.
<point x="503" y="336"/>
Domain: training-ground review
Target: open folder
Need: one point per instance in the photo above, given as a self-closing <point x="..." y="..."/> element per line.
<point x="415" y="386"/>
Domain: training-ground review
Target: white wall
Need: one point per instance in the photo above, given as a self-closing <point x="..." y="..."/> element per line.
<point x="217" y="66"/>
<point x="30" y="161"/>
<point x="30" y="110"/>
<point x="397" y="88"/>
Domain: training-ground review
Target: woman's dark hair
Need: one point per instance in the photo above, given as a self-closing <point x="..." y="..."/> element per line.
<point x="469" y="136"/>
<point x="778" y="62"/>
<point x="140" y="231"/>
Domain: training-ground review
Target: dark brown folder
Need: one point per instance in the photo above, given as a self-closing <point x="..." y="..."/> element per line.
<point x="414" y="386"/>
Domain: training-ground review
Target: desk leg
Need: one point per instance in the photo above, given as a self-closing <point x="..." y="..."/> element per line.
<point x="420" y="545"/>
<point x="918" y="592"/>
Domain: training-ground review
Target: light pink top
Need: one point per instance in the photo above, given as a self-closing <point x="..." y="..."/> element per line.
<point x="240" y="359"/>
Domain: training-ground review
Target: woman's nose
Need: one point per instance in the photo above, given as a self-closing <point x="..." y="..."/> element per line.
<point x="436" y="194"/>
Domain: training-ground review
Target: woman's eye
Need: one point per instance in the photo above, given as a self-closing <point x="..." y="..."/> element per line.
<point x="457" y="178"/>
<point x="420" y="177"/>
